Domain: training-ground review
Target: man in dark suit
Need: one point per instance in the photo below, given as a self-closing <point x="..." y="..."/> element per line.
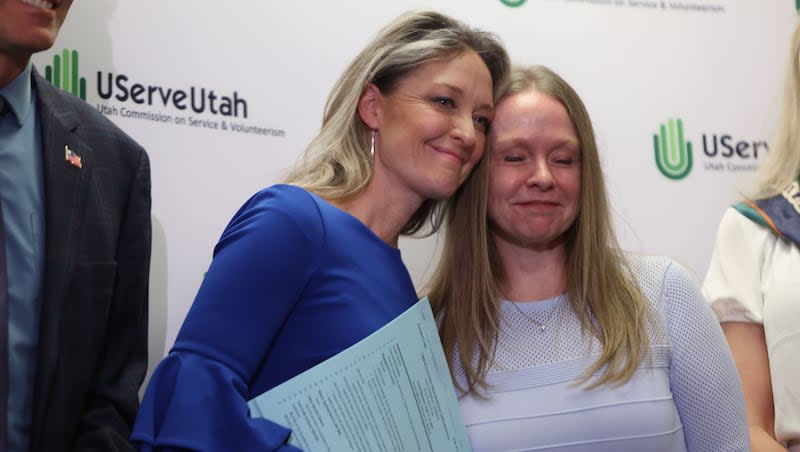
<point x="74" y="255"/>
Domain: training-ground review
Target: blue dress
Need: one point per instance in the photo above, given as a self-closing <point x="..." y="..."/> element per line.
<point x="294" y="281"/>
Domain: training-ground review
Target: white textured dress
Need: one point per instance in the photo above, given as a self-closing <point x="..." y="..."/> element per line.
<point x="685" y="396"/>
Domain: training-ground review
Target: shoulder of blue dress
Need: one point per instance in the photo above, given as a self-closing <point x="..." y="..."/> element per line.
<point x="292" y="197"/>
<point x="291" y="202"/>
<point x="299" y="195"/>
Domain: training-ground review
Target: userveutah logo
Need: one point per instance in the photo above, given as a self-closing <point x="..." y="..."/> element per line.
<point x="673" y="154"/>
<point x="200" y="100"/>
<point x="721" y="151"/>
<point x="64" y="74"/>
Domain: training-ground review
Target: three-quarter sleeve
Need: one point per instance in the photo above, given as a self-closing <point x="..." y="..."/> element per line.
<point x="197" y="397"/>
<point x="702" y="375"/>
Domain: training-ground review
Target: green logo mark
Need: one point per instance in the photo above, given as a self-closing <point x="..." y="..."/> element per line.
<point x="64" y="74"/>
<point x="673" y="155"/>
<point x="515" y="3"/>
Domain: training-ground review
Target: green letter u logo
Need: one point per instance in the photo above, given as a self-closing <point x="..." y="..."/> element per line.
<point x="515" y="3"/>
<point x="673" y="155"/>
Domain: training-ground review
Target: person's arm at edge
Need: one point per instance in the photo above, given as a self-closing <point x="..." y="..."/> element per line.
<point x="733" y="288"/>
<point x="749" y="348"/>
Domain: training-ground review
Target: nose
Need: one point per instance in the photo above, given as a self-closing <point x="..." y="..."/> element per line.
<point x="464" y="130"/>
<point x="540" y="176"/>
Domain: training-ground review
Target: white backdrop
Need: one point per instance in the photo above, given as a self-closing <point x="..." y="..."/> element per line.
<point x="716" y="64"/>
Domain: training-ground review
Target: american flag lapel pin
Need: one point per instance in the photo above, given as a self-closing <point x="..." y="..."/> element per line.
<point x="73" y="158"/>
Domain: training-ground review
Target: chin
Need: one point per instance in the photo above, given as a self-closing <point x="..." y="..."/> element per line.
<point x="42" y="45"/>
<point x="443" y="192"/>
<point x="37" y="41"/>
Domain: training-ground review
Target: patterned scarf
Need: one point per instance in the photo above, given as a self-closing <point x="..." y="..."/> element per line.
<point x="780" y="213"/>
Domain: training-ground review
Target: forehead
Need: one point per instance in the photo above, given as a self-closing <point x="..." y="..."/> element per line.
<point x="464" y="70"/>
<point x="531" y="114"/>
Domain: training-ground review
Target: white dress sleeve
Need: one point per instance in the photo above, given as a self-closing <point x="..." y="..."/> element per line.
<point x="733" y="284"/>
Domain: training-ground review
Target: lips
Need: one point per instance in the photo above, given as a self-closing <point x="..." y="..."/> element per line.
<point x="41" y="4"/>
<point x="538" y="203"/>
<point x="455" y="154"/>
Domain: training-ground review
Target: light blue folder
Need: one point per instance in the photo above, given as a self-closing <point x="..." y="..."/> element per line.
<point x="390" y="392"/>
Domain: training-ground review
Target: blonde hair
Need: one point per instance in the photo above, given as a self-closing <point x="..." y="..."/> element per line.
<point x="609" y="303"/>
<point x="336" y="164"/>
<point x="782" y="164"/>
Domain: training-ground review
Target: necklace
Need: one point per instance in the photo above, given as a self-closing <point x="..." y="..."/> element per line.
<point x="541" y="326"/>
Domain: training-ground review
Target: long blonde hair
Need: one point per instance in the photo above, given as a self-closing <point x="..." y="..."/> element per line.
<point x="782" y="164"/>
<point x="336" y="164"/>
<point x="609" y="303"/>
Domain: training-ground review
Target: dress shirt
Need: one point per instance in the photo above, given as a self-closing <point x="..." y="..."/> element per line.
<point x="22" y="191"/>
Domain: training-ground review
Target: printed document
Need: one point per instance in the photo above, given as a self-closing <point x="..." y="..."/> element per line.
<point x="389" y="392"/>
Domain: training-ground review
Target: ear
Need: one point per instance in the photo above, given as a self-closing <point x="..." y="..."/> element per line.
<point x="369" y="106"/>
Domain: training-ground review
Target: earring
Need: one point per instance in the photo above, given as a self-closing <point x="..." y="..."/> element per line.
<point x="372" y="145"/>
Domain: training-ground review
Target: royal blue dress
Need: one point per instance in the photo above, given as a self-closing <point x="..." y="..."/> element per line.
<point x="294" y="281"/>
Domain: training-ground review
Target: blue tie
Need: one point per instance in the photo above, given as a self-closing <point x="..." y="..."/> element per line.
<point x="3" y="335"/>
<point x="3" y="323"/>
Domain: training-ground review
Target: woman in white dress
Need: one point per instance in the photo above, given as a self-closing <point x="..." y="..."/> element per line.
<point x="753" y="282"/>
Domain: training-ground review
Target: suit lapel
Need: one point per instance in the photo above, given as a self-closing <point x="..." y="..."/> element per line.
<point x="66" y="188"/>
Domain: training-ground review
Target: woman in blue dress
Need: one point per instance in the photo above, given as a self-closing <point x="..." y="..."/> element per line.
<point x="310" y="267"/>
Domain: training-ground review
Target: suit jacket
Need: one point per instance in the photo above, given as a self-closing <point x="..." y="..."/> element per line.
<point x="92" y="352"/>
